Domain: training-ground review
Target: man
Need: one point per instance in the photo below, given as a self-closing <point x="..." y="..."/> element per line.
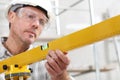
<point x="27" y="19"/>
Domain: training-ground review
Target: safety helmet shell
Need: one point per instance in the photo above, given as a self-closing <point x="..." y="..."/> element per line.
<point x="45" y="4"/>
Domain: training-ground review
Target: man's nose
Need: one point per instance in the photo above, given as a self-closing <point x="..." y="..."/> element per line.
<point x="36" y="24"/>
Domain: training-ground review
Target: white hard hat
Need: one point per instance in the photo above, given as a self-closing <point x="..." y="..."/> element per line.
<point x="44" y="4"/>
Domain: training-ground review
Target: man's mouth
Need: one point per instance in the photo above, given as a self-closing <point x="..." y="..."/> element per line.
<point x="32" y="34"/>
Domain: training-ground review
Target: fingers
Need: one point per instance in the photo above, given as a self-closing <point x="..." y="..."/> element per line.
<point x="52" y="63"/>
<point x="62" y="57"/>
<point x="57" y="62"/>
<point x="50" y="70"/>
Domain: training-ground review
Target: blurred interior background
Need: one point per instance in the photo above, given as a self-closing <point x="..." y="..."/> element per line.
<point x="103" y="63"/>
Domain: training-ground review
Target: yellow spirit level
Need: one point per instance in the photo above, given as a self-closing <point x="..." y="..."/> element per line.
<point x="94" y="33"/>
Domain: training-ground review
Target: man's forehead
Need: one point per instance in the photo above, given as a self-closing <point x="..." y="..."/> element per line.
<point x="33" y="11"/>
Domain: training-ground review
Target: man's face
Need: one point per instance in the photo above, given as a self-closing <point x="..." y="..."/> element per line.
<point x="27" y="24"/>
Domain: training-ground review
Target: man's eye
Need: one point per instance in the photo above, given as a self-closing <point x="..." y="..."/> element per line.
<point x="31" y="16"/>
<point x="42" y="22"/>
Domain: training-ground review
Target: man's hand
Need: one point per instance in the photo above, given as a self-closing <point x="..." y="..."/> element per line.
<point x="56" y="65"/>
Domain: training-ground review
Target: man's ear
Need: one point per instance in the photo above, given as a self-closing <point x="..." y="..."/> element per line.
<point x="11" y="16"/>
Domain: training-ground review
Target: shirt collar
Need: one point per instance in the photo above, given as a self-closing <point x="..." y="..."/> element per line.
<point x="4" y="53"/>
